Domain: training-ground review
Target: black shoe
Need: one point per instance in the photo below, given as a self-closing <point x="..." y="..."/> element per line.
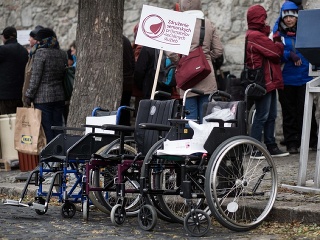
<point x="276" y="152"/>
<point x="257" y="155"/>
<point x="292" y="150"/>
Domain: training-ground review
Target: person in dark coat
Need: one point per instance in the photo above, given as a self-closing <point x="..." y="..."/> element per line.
<point x="46" y="83"/>
<point x="13" y="59"/>
<point x="144" y="73"/>
<point x="128" y="71"/>
<point x="262" y="51"/>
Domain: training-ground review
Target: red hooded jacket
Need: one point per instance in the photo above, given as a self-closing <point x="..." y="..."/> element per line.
<point x="260" y="47"/>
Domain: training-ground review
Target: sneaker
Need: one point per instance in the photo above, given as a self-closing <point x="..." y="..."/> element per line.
<point x="292" y="150"/>
<point x="257" y="155"/>
<point x="276" y="152"/>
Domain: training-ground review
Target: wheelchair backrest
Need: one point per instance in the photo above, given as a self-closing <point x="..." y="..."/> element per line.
<point x="157" y="112"/>
<point x="221" y="133"/>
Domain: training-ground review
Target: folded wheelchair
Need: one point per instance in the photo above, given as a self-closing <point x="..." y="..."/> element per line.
<point x="62" y="163"/>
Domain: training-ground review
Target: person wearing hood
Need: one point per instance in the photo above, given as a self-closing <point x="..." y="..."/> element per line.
<point x="262" y="51"/>
<point x="295" y="73"/>
<point x="46" y="84"/>
<point x="212" y="48"/>
<point x="27" y="72"/>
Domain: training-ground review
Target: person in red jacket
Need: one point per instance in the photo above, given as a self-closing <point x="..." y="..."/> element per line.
<point x="262" y="51"/>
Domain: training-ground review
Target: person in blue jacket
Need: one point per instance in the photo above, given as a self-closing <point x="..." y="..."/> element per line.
<point x="295" y="75"/>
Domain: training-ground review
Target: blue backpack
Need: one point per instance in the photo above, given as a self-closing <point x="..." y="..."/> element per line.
<point x="167" y="70"/>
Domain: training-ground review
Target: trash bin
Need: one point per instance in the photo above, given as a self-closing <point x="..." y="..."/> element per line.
<point x="27" y="162"/>
<point x="7" y="125"/>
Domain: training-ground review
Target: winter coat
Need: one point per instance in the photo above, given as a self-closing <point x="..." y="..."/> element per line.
<point x="292" y="75"/>
<point x="144" y="72"/>
<point x="48" y="71"/>
<point x="13" y="59"/>
<point x="212" y="46"/>
<point x="261" y="50"/>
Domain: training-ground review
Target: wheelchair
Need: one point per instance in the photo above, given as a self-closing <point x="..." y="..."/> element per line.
<point x="223" y="180"/>
<point x="113" y="175"/>
<point x="63" y="160"/>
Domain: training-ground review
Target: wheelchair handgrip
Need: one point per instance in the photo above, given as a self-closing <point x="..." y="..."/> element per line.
<point x="220" y="94"/>
<point x="164" y="94"/>
<point x="120" y="128"/>
<point x="154" y="126"/>
<point x="257" y="86"/>
<point x="67" y="128"/>
<point x="194" y="90"/>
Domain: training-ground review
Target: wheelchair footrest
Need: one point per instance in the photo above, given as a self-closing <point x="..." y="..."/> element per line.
<point x="38" y="206"/>
<point x="15" y="203"/>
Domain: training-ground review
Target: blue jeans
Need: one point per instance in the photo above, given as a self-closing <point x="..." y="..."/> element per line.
<point x="194" y="106"/>
<point x="265" y="117"/>
<point x="52" y="115"/>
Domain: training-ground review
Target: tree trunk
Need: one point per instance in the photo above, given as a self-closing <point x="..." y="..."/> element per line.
<point x="98" y="80"/>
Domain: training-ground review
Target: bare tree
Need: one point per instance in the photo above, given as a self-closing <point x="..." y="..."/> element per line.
<point x="98" y="80"/>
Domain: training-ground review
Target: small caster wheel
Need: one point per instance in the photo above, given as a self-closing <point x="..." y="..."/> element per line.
<point x="40" y="200"/>
<point x="147" y="217"/>
<point x="197" y="223"/>
<point x="118" y="214"/>
<point x="68" y="210"/>
<point x="85" y="208"/>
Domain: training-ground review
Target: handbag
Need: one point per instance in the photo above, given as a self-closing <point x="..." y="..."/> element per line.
<point x="29" y="136"/>
<point x="194" y="67"/>
<point x="252" y="75"/>
<point x="68" y="82"/>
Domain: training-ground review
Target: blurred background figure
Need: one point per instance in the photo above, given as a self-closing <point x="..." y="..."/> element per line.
<point x="27" y="74"/>
<point x="46" y="83"/>
<point x="13" y="59"/>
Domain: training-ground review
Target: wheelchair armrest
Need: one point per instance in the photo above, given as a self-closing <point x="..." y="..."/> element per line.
<point x="178" y="121"/>
<point x="68" y="128"/>
<point x="153" y="126"/>
<point x="120" y="128"/>
<point x="221" y="122"/>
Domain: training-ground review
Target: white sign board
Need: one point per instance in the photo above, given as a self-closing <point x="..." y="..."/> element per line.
<point x="23" y="37"/>
<point x="165" y="29"/>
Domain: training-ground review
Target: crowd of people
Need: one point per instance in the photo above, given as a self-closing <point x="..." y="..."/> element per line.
<point x="36" y="77"/>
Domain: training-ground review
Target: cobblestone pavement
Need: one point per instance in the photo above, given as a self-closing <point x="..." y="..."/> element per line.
<point x="24" y="223"/>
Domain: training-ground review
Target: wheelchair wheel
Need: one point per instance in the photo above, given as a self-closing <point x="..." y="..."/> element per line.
<point x="104" y="200"/>
<point x="68" y="210"/>
<point x="154" y="181"/>
<point x="197" y="223"/>
<point x="147" y="217"/>
<point x="118" y="215"/>
<point x="85" y="209"/>
<point x="40" y="200"/>
<point x="240" y="189"/>
<point x="167" y="176"/>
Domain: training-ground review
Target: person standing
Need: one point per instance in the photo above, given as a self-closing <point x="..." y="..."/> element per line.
<point x="46" y="83"/>
<point x="127" y="84"/>
<point x="13" y="59"/>
<point x="27" y="75"/>
<point x="295" y="75"/>
<point x="262" y="51"/>
<point x="212" y="48"/>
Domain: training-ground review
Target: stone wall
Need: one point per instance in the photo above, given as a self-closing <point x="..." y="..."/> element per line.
<point x="229" y="16"/>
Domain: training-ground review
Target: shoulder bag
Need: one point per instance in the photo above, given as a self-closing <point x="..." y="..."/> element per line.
<point x="193" y="68"/>
<point x="252" y="75"/>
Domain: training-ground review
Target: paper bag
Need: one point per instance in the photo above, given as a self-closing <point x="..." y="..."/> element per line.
<point x="29" y="136"/>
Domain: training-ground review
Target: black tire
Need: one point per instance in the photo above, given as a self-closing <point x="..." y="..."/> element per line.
<point x="118" y="215"/>
<point x="147" y="217"/>
<point x="68" y="210"/>
<point x="197" y="223"/>
<point x="240" y="190"/>
<point x="40" y="200"/>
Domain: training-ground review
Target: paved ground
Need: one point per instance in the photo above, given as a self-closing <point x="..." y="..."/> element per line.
<point x="289" y="206"/>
